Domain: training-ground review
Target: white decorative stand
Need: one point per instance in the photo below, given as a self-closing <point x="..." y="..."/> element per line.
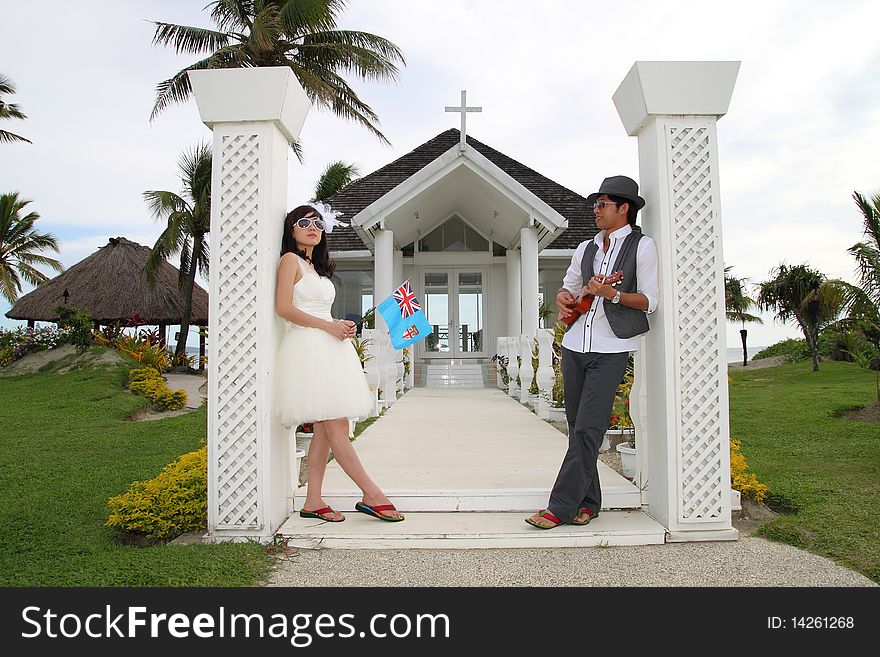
<point x="526" y="369"/>
<point x="544" y="375"/>
<point x="682" y="432"/>
<point x="254" y="113"/>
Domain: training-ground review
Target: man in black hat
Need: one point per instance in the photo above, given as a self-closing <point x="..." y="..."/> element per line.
<point x="596" y="347"/>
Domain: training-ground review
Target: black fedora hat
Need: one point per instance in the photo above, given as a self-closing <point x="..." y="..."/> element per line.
<point x="619" y="186"/>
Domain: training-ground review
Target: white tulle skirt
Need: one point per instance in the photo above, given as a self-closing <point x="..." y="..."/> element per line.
<point x="318" y="377"/>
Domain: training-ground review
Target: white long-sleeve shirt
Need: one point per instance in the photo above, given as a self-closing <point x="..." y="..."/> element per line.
<point x="591" y="331"/>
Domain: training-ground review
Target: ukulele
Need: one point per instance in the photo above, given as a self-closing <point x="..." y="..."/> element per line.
<point x="584" y="301"/>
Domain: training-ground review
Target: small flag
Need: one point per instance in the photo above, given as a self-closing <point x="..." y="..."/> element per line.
<point x="404" y="316"/>
<point x="406" y="300"/>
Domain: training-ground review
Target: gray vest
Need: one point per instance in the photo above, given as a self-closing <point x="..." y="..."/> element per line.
<point x="625" y="322"/>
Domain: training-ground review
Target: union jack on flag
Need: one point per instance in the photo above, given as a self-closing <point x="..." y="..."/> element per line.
<point x="411" y="332"/>
<point x="406" y="300"/>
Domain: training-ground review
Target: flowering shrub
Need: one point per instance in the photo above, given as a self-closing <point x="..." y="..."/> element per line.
<point x="148" y="382"/>
<point x="741" y="479"/>
<point x="306" y="427"/>
<point x="168" y="505"/>
<point x="20" y="342"/>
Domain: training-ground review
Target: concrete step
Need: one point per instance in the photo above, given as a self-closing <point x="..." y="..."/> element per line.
<point x="469" y="530"/>
<point x="620" y="494"/>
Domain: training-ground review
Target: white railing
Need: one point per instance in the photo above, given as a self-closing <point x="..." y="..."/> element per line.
<point x="508" y="349"/>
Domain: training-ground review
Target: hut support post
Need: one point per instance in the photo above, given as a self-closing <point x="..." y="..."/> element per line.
<point x="254" y="114"/>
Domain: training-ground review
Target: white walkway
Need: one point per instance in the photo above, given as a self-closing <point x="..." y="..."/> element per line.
<point x="441" y="453"/>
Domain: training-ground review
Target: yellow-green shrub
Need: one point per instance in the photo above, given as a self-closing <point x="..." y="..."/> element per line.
<point x="168" y="505"/>
<point x="148" y="382"/>
<point x="741" y="479"/>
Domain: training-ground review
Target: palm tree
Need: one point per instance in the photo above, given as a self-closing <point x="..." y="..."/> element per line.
<point x="188" y="220"/>
<point x="337" y="175"/>
<point x="299" y="34"/>
<point x="738" y="303"/>
<point x="804" y="295"/>
<point x="9" y="110"/>
<point x="20" y="247"/>
<point x="867" y="255"/>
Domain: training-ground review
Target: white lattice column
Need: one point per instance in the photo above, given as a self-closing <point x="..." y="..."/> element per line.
<point x="681" y="406"/>
<point x="254" y="114"/>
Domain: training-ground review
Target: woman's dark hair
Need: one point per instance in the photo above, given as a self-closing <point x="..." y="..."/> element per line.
<point x="320" y="259"/>
<point x="631" y="212"/>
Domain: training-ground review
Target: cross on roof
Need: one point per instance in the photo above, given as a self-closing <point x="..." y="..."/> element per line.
<point x="463" y="109"/>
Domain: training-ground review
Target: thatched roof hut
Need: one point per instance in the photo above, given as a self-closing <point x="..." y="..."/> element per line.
<point x="110" y="285"/>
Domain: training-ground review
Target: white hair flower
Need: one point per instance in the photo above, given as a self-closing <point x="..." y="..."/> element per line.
<point x="328" y="216"/>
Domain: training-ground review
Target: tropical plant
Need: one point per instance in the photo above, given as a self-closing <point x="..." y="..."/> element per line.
<point x="801" y="294"/>
<point x="299" y="34"/>
<point x="21" y="246"/>
<point x="361" y="347"/>
<point x="545" y="312"/>
<point x="737" y="304"/>
<point x="337" y="175"/>
<point x="9" y="110"/>
<point x="188" y="220"/>
<point x="863" y="302"/>
<point x="77" y="324"/>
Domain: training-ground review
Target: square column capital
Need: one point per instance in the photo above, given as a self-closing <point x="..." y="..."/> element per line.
<point x="674" y="88"/>
<point x="239" y="95"/>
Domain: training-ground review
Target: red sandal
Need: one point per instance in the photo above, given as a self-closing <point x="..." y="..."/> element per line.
<point x="321" y="514"/>
<point x="374" y="511"/>
<point x="590" y="516"/>
<point x="549" y="516"/>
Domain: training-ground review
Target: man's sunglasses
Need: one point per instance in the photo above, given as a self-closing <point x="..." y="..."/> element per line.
<point x="305" y="223"/>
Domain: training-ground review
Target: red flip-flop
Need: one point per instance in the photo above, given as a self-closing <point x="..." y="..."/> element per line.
<point x="321" y="514"/>
<point x="374" y="511"/>
<point x="549" y="516"/>
<point x="590" y="516"/>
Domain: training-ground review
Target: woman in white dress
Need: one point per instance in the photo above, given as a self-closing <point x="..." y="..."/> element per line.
<point x="319" y="377"/>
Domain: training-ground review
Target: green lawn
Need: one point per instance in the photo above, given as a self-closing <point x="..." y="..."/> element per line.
<point x="65" y="448"/>
<point x="823" y="471"/>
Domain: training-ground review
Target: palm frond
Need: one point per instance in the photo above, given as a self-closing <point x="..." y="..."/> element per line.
<point x="229" y="14"/>
<point x="188" y="39"/>
<point x="31" y="274"/>
<point x="334" y="177"/>
<point x="161" y="204"/>
<point x="300" y="18"/>
<point x="369" y="56"/>
<point x="10" y="284"/>
<point x="7" y="86"/>
<point x="11" y="111"/>
<point x="6" y="136"/>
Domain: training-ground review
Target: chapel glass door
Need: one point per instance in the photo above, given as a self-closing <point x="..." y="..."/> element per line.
<point x="455" y="307"/>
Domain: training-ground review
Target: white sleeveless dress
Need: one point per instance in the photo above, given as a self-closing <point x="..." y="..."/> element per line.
<point x="317" y="376"/>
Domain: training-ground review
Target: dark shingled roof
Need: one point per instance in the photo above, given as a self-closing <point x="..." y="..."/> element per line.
<point x="361" y="193"/>
<point x="110" y="284"/>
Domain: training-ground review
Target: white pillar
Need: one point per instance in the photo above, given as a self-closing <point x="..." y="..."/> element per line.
<point x="383" y="271"/>
<point x="528" y="237"/>
<point x="682" y="430"/>
<point x="254" y="114"/>
<point x="514" y="296"/>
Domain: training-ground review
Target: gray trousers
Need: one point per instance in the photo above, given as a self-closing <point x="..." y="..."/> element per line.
<point x="591" y="380"/>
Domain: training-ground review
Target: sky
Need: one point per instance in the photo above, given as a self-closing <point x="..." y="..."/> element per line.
<point x="800" y="136"/>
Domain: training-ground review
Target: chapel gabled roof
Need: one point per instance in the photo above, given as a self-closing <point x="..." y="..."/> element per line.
<point x="364" y="191"/>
